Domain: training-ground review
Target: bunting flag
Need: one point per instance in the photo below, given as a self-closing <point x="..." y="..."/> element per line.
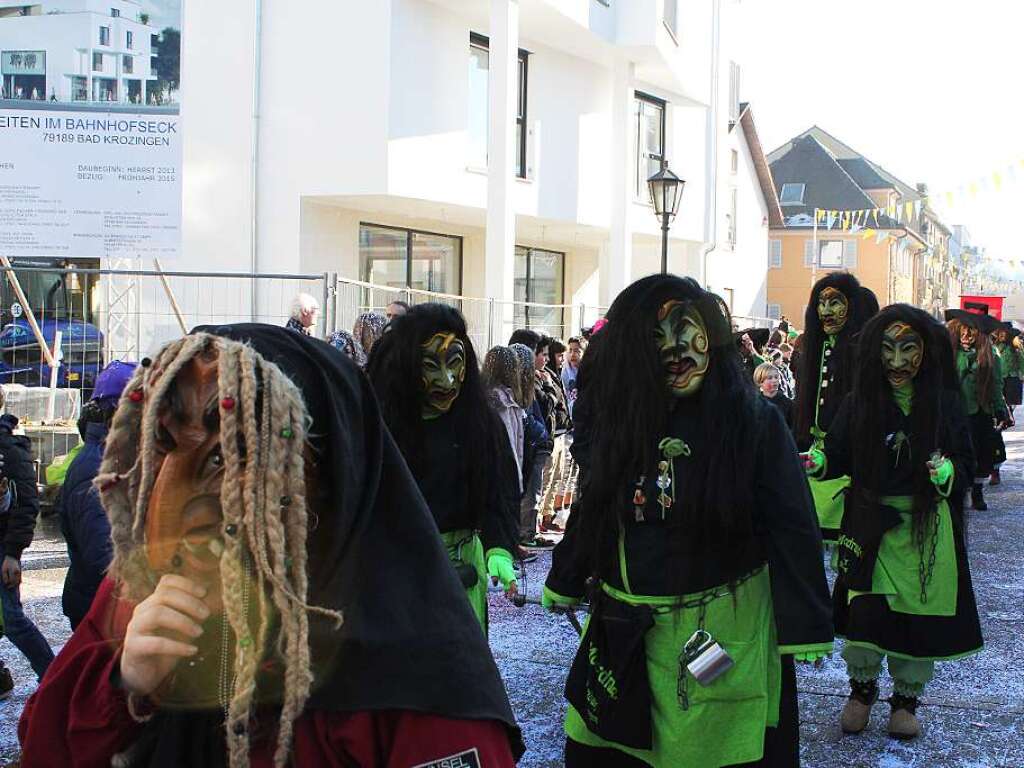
<point x="882" y="235"/>
<point x="868" y="233"/>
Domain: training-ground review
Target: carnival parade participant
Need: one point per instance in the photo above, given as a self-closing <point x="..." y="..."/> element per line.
<point x="903" y="590"/>
<point x="981" y="384"/>
<point x="278" y="594"/>
<point x="425" y="373"/>
<point x="1007" y="343"/>
<point x="838" y="308"/>
<point x="695" y="530"/>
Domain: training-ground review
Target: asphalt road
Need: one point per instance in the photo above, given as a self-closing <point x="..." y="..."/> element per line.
<point x="973" y="712"/>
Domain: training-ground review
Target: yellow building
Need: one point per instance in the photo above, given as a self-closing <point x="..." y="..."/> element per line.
<point x="815" y="171"/>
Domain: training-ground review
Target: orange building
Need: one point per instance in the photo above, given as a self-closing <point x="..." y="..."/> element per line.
<point x="816" y="172"/>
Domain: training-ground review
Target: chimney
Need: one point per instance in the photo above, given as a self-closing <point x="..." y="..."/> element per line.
<point x="922" y="189"/>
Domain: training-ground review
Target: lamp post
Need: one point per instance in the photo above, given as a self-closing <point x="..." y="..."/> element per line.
<point x="666" y="190"/>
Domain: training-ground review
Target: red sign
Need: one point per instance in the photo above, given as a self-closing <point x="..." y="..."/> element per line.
<point x="992" y="305"/>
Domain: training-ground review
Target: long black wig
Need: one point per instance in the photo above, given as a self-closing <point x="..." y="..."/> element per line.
<point x="628" y="405"/>
<point x="862" y="305"/>
<point x="873" y="395"/>
<point x="395" y="371"/>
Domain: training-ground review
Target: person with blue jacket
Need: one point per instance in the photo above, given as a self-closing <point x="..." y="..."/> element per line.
<point x="83" y="522"/>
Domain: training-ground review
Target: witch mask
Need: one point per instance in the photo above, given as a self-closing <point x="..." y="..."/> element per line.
<point x="833" y="308"/>
<point x="968" y="337"/>
<point x="682" y="340"/>
<point x="444" y="370"/>
<point x="902" y="352"/>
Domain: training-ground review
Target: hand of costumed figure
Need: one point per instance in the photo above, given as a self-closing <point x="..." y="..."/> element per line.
<point x="499" y="568"/>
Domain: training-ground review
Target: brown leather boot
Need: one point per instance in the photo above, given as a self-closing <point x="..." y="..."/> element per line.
<point x="857" y="711"/>
<point x="994" y="478"/>
<point x="903" y="722"/>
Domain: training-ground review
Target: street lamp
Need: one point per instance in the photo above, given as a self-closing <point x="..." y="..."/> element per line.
<point x="666" y="190"/>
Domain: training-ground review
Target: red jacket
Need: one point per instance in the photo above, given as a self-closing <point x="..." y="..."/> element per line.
<point x="78" y="718"/>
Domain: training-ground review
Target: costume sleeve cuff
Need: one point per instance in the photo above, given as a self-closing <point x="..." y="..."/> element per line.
<point x="946" y="488"/>
<point x="550" y="598"/>
<point x="819" y="648"/>
<point x="499" y="552"/>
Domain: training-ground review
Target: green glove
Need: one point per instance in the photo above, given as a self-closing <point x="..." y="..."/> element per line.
<point x="814" y="461"/>
<point x="499" y="567"/>
<point x="810" y="658"/>
<point x="941" y="472"/>
<point x="552" y="601"/>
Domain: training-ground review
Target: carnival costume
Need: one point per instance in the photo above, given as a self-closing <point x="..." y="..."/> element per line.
<point x="250" y="482"/>
<point x="1006" y="341"/>
<point x="425" y="373"/>
<point x="903" y="588"/>
<point x="838" y="308"/>
<point x="980" y="374"/>
<point x="695" y="533"/>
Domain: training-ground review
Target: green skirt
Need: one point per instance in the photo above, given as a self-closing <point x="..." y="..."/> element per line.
<point x="725" y="721"/>
<point x="464" y="546"/>
<point x="828" y="503"/>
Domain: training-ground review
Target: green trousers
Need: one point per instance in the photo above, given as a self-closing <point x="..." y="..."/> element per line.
<point x="909" y="676"/>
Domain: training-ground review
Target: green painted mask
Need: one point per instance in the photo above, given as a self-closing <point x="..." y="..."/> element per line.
<point x="833" y="307"/>
<point x="682" y="341"/>
<point x="902" y="352"/>
<point x="444" y="370"/>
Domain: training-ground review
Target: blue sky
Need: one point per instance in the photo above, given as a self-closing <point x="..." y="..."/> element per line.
<point x="165" y="13"/>
<point x="929" y="89"/>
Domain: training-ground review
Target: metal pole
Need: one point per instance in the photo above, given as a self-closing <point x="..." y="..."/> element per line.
<point x="665" y="243"/>
<point x="814" y="255"/>
<point x="324" y="307"/>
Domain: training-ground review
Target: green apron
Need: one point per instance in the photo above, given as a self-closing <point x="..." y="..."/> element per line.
<point x="897" y="574"/>
<point x="828" y="501"/>
<point x="465" y="546"/>
<point x="726" y="720"/>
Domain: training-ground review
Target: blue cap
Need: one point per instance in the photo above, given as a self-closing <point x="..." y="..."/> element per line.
<point x="112" y="380"/>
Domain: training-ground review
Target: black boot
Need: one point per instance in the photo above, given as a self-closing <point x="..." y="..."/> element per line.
<point x="978" y="498"/>
<point x="903" y="723"/>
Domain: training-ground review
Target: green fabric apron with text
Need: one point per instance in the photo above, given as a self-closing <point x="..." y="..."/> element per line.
<point x="725" y="721"/>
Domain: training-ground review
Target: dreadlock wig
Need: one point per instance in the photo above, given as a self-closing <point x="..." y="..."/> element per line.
<point x="984" y="377"/>
<point x="395" y="370"/>
<point x="626" y="406"/>
<point x="861" y="302"/>
<point x="873" y="395"/>
<point x="302" y="448"/>
<point x="263" y="574"/>
<point x="501" y="369"/>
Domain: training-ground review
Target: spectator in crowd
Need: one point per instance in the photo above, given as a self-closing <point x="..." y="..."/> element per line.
<point x="305" y="310"/>
<point x="550" y="378"/>
<point x="16" y="530"/>
<point x="751" y="342"/>
<point x="396" y="308"/>
<point x="347" y="343"/>
<point x="780" y="359"/>
<point x="768" y="380"/>
<point x="503" y="384"/>
<point x="83" y="522"/>
<point x="538" y="444"/>
<point x="368" y="329"/>
<point x="570" y="375"/>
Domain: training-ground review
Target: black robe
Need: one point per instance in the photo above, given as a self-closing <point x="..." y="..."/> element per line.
<point x="868" y="618"/>
<point x="785" y="536"/>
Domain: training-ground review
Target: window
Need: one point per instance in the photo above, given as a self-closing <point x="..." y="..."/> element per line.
<point x="775" y="254"/>
<point x="404" y="258"/>
<point x="830" y="254"/>
<point x="97" y="62"/>
<point x="733" y="203"/>
<point x="672" y="16"/>
<point x="479" y="107"/>
<point x="650" y="140"/>
<point x="792" y="194"/>
<point x="104" y="35"/>
<point x="79" y="88"/>
<point x="130" y="42"/>
<point x="128" y="64"/>
<point x="734" y="162"/>
<point x="774" y="311"/>
<point x="539" y="278"/>
<point x="115" y="13"/>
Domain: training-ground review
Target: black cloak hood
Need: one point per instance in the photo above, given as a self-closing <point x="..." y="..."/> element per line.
<point x="409" y="640"/>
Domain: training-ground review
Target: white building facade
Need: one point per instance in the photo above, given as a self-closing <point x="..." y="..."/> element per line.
<point x="487" y="148"/>
<point x="82" y="51"/>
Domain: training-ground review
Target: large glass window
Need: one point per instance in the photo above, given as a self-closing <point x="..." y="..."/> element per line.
<point x="130" y="41"/>
<point x="539" y="277"/>
<point x="403" y="258"/>
<point x="104" y="35"/>
<point x="650" y="140"/>
<point x="479" y="108"/>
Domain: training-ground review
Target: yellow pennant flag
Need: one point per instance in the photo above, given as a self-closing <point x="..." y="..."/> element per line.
<point x="910" y="211"/>
<point x="973" y="189"/>
<point x="820" y="214"/>
<point x="869" y="232"/>
<point x="997" y="180"/>
<point x="949" y="198"/>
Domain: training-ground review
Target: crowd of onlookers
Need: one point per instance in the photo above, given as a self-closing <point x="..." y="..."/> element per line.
<point x="770" y="357"/>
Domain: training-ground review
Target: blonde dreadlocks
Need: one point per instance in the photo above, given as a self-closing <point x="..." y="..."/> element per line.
<point x="263" y="501"/>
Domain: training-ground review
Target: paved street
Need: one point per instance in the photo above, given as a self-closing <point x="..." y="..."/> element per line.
<point x="973" y="712"/>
